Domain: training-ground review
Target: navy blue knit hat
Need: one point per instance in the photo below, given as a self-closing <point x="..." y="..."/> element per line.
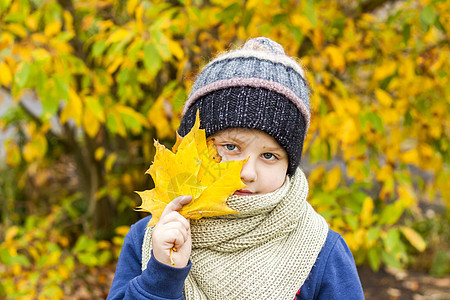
<point x="257" y="87"/>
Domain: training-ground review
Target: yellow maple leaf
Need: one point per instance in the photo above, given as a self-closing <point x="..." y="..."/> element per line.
<point x="193" y="168"/>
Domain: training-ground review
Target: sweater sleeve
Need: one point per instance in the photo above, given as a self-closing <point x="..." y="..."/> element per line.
<point x="158" y="281"/>
<point x="334" y="276"/>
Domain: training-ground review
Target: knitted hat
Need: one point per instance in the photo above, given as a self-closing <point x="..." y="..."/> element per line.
<point x="257" y="87"/>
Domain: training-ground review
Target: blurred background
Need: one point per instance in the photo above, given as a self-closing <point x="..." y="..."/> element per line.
<point x="87" y="85"/>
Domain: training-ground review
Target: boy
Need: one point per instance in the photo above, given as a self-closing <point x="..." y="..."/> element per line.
<point x="254" y="103"/>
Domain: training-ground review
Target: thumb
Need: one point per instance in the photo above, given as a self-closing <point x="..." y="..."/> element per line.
<point x="176" y="204"/>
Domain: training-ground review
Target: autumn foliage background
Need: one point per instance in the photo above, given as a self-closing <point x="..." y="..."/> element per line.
<point x="86" y="86"/>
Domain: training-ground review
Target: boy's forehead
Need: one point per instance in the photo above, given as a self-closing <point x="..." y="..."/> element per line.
<point x="238" y="133"/>
<point x="246" y="135"/>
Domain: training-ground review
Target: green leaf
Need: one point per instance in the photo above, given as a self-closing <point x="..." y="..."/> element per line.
<point x="98" y="48"/>
<point x="310" y="12"/>
<point x="4" y="4"/>
<point x="64" y="36"/>
<point x="373" y="234"/>
<point x="42" y="260"/>
<point x="134" y="50"/>
<point x="374" y="120"/>
<point x="40" y="78"/>
<point x="152" y="60"/>
<point x="111" y="123"/>
<point x="408" y="119"/>
<point x="352" y="220"/>
<point x="374" y="259"/>
<point x="95" y="105"/>
<point x="38" y="3"/>
<point x="50" y="103"/>
<point x="392" y="240"/>
<point x="439" y="25"/>
<point x="161" y="45"/>
<point x="178" y="99"/>
<point x="131" y="122"/>
<point x="391" y="213"/>
<point x="22" y="74"/>
<point x="13" y="18"/>
<point x="5" y="257"/>
<point x="104" y="258"/>
<point x="280" y="19"/>
<point x="62" y="88"/>
<point x="406" y="32"/>
<point x="21" y="260"/>
<point x="299" y="37"/>
<point x="390" y="259"/>
<point x="229" y="13"/>
<point x="428" y="15"/>
<point x="88" y="259"/>
<point x="2" y="288"/>
<point x="247" y="18"/>
<point x="321" y="198"/>
<point x="441" y="264"/>
<point x="84" y="244"/>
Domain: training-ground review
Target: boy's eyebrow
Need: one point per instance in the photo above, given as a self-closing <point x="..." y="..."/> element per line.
<point x="231" y="137"/>
<point x="275" y="148"/>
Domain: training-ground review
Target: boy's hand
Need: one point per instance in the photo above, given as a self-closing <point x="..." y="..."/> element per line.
<point x="173" y="231"/>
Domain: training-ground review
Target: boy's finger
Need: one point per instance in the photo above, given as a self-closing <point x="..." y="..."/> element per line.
<point x="176" y="204"/>
<point x="174" y="216"/>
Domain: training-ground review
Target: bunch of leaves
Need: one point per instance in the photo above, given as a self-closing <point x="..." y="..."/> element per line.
<point x="371" y="228"/>
<point x="38" y="260"/>
<point x="193" y="168"/>
<point x="35" y="261"/>
<point x="435" y="228"/>
<point x="380" y="84"/>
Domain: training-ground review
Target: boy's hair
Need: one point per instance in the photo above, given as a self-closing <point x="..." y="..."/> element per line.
<point x="257" y="87"/>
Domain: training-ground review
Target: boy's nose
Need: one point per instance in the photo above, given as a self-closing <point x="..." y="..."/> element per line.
<point x="248" y="172"/>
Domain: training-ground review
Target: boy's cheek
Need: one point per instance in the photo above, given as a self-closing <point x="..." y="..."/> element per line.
<point x="222" y="154"/>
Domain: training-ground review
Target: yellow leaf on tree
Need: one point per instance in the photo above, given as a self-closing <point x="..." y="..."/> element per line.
<point x="176" y="49"/>
<point x="335" y="58"/>
<point x="131" y="6"/>
<point x="414" y="238"/>
<point x="366" y="212"/>
<point x="332" y="179"/>
<point x="384" y="70"/>
<point x="6" y="75"/>
<point x="406" y="194"/>
<point x="90" y="123"/>
<point x="383" y="97"/>
<point x="157" y="116"/>
<point x="349" y="132"/>
<point x="410" y="157"/>
<point x="53" y="28"/>
<point x="68" y="21"/>
<point x="191" y="170"/>
<point x="118" y="35"/>
<point x="17" y="29"/>
<point x="73" y="109"/>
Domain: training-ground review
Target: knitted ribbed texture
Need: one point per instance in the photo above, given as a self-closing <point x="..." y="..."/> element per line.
<point x="261" y="62"/>
<point x="265" y="252"/>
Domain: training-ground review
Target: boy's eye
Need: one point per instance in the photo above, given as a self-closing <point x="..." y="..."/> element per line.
<point x="269" y="156"/>
<point x="230" y="147"/>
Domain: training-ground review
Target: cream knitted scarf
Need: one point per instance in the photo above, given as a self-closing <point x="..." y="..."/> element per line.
<point x="265" y="252"/>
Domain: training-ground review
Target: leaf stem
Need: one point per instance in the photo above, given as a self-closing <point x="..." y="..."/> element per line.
<point x="173" y="249"/>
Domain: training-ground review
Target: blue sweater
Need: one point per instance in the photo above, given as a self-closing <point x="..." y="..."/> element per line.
<point x="334" y="275"/>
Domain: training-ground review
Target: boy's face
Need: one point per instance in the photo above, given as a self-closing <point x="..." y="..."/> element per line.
<point x="265" y="170"/>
